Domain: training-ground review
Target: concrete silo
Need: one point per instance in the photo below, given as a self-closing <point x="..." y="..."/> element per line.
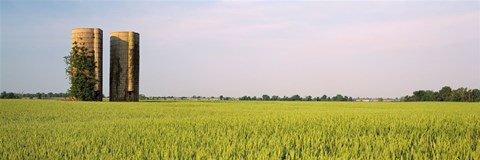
<point x="92" y="39"/>
<point x="124" y="66"/>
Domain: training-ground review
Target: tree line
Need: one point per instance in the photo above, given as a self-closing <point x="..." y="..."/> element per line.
<point x="296" y="97"/>
<point x="39" y="95"/>
<point x="445" y="94"/>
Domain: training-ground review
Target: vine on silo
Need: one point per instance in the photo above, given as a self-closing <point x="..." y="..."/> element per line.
<point x="81" y="73"/>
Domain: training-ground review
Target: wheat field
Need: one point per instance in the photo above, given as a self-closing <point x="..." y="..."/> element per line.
<point x="53" y="129"/>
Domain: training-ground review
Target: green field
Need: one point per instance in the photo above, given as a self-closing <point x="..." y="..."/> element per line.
<point x="52" y="129"/>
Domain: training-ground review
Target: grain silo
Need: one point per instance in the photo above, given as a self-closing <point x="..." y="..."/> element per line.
<point x="92" y="39"/>
<point x="124" y="66"/>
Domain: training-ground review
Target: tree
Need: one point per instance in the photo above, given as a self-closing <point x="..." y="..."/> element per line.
<point x="221" y="97"/>
<point x="296" y="98"/>
<point x="142" y="96"/>
<point x="419" y="95"/>
<point x="339" y="97"/>
<point x="3" y="95"/>
<point x="406" y="98"/>
<point x="9" y="95"/>
<point x="430" y="95"/>
<point x="469" y="96"/>
<point x="275" y="98"/>
<point x="475" y="95"/>
<point x="81" y="73"/>
<point x="308" y="98"/>
<point x="459" y="95"/>
<point x="265" y="97"/>
<point x="444" y="93"/>
<point x="324" y="98"/>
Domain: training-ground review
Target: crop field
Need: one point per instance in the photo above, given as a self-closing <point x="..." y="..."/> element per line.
<point x="53" y="129"/>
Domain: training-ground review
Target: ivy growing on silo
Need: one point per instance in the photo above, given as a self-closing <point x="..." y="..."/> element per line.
<point x="81" y="73"/>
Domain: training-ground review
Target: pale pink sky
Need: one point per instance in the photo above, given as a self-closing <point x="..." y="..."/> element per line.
<point x="232" y="48"/>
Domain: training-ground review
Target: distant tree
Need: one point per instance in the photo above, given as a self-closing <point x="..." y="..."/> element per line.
<point x="339" y="97"/>
<point x="470" y="97"/>
<point x="419" y="95"/>
<point x="3" y="95"/>
<point x="275" y="98"/>
<point x="10" y="95"/>
<point x="265" y="97"/>
<point x="463" y="94"/>
<point x="39" y="95"/>
<point x="142" y="96"/>
<point x="436" y="96"/>
<point x="429" y="95"/>
<point x="445" y="94"/>
<point x="221" y="97"/>
<point x="324" y="98"/>
<point x="296" y="98"/>
<point x="459" y="95"/>
<point x="308" y="98"/>
<point x="475" y="95"/>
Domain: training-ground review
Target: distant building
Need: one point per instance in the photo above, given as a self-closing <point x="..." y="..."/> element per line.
<point x="92" y="39"/>
<point x="124" y="66"/>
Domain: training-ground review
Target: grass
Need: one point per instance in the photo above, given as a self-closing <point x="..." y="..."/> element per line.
<point x="48" y="129"/>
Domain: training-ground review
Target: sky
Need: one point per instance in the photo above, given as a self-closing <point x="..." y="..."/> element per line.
<point x="236" y="48"/>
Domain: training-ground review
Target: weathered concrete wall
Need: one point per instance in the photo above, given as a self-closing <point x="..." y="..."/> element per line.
<point x="124" y="66"/>
<point x="92" y="39"/>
